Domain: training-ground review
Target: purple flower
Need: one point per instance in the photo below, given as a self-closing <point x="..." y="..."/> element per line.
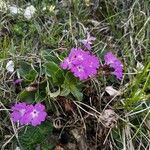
<point x="77" y="55"/>
<point x="17" y="81"/>
<point x="80" y="71"/>
<point x="66" y="64"/>
<point x="19" y="113"/>
<point x="81" y="63"/>
<point x="28" y="114"/>
<point x="88" y="42"/>
<point x="92" y="64"/>
<point x="115" y="63"/>
<point x="37" y="114"/>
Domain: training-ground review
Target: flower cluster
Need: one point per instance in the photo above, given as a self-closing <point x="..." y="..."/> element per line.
<point x="114" y="63"/>
<point x="28" y="114"/>
<point x="81" y="63"/>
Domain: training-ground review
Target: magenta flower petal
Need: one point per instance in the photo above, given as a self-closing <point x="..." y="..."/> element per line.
<point x="15" y="116"/>
<point x="118" y="70"/>
<point x="19" y="113"/>
<point x="37" y="120"/>
<point x="77" y="55"/>
<point x="88" y="42"/>
<point x="110" y="58"/>
<point x="80" y="71"/>
<point x="37" y="114"/>
<point x="91" y="64"/>
<point x="39" y="107"/>
<point x="115" y="63"/>
<point x="66" y="63"/>
<point x="18" y="81"/>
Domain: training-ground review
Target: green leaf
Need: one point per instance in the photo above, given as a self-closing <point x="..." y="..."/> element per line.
<point x="31" y="76"/>
<point x="76" y="93"/>
<point x="70" y="79"/>
<point x="58" y="77"/>
<point x="26" y="96"/>
<point x="47" y="56"/>
<point x="24" y="68"/>
<point x="54" y="71"/>
<point x="65" y="91"/>
<point x="51" y="68"/>
<point x="40" y="96"/>
<point x="27" y="72"/>
<point x="32" y="136"/>
<point x="53" y="94"/>
<point x="70" y="86"/>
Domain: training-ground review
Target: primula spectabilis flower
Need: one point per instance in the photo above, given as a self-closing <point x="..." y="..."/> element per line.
<point x="115" y="63"/>
<point x="80" y="71"/>
<point x="81" y="63"/>
<point x="76" y="56"/>
<point x="28" y="114"/>
<point x="19" y="113"/>
<point x="37" y="114"/>
<point x="88" y="42"/>
<point x="92" y="63"/>
<point x="66" y="64"/>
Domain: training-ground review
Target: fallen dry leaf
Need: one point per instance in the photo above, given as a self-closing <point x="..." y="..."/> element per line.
<point x="111" y="91"/>
<point x="108" y="118"/>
